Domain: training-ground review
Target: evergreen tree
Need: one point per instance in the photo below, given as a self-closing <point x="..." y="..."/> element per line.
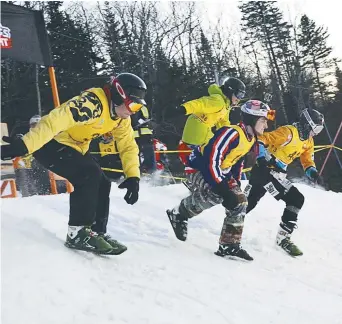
<point x="338" y="94"/>
<point x="315" y="51"/>
<point x="206" y="60"/>
<point x="263" y="23"/>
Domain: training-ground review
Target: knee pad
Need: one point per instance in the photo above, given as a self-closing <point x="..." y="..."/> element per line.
<point x="294" y="198"/>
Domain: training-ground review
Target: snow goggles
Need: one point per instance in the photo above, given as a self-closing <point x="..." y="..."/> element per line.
<point x="316" y="129"/>
<point x="239" y="95"/>
<point x="131" y="106"/>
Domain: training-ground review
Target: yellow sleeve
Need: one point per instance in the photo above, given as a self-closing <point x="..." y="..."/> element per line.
<point x="81" y="109"/>
<point x="128" y="148"/>
<point x="205" y="105"/>
<point x="307" y="157"/>
<point x="278" y="137"/>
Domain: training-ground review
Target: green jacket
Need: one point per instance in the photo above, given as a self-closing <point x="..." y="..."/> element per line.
<point x="205" y="113"/>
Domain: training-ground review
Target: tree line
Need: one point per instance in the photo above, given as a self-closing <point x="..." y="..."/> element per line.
<point x="178" y="58"/>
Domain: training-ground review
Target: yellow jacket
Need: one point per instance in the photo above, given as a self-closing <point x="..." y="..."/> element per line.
<point x="205" y="113"/>
<point x="79" y="120"/>
<point x="223" y="156"/>
<point x="285" y="145"/>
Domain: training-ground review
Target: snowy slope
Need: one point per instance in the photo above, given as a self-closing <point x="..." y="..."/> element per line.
<point x="162" y="280"/>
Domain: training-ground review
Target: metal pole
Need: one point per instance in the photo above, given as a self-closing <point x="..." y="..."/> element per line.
<point x="332" y="144"/>
<point x="39" y="103"/>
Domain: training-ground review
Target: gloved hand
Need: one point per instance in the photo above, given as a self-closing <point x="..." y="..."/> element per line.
<point x="224" y="189"/>
<point x="132" y="186"/>
<point x="312" y="173"/>
<point x="262" y="162"/>
<point x="15" y="148"/>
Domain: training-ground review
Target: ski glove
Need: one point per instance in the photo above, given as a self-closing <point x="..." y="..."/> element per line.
<point x="132" y="186"/>
<point x="15" y="148"/>
<point x="230" y="199"/>
<point x="312" y="173"/>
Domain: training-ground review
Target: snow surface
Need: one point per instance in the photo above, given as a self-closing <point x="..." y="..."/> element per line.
<point x="162" y="280"/>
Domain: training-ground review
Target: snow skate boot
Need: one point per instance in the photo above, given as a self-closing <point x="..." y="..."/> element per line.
<point x="117" y="247"/>
<point x="82" y="238"/>
<point x="179" y="224"/>
<point x="284" y="241"/>
<point x="233" y="250"/>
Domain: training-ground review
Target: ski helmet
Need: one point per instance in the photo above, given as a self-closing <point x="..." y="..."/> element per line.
<point x="252" y="110"/>
<point x="233" y="86"/>
<point x="311" y="122"/>
<point x="35" y="119"/>
<point x="129" y="89"/>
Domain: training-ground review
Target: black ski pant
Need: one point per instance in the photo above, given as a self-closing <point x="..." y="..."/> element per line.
<point x="264" y="180"/>
<point x="89" y="202"/>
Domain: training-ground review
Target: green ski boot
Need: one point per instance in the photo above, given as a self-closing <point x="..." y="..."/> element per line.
<point x="290" y="247"/>
<point x="82" y="238"/>
<point x="117" y="247"/>
<point x="284" y="241"/>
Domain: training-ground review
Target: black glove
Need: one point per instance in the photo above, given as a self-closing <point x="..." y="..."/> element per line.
<point x="271" y="164"/>
<point x="262" y="162"/>
<point x="132" y="186"/>
<point x="15" y="148"/>
<point x="230" y="199"/>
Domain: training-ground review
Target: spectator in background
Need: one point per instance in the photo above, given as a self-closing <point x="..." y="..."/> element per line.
<point x="31" y="177"/>
<point x="143" y="134"/>
<point x="107" y="156"/>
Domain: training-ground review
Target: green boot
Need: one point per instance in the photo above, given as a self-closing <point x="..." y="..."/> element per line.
<point x="284" y="241"/>
<point x="82" y="238"/>
<point x="117" y="248"/>
<point x="290" y="247"/>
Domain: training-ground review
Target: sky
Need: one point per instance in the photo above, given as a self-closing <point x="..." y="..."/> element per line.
<point x="160" y="280"/>
<point x="327" y="13"/>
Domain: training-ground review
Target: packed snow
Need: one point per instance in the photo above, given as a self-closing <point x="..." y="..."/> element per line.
<point x="161" y="280"/>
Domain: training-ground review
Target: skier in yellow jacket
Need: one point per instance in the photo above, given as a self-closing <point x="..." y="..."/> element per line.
<point x="277" y="149"/>
<point x="209" y="112"/>
<point x="60" y="142"/>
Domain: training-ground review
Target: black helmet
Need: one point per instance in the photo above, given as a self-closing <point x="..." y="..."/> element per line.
<point x="310" y="120"/>
<point x="233" y="86"/>
<point x="127" y="86"/>
<point x="252" y="110"/>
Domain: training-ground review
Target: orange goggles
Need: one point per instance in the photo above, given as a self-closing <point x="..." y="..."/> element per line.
<point x="131" y="106"/>
<point x="271" y="114"/>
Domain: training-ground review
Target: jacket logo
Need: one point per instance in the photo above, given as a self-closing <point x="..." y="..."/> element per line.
<point x="87" y="106"/>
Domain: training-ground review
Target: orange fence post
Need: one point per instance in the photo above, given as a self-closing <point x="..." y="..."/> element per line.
<point x="54" y="86"/>
<point x="53" y="184"/>
<point x="13" y="188"/>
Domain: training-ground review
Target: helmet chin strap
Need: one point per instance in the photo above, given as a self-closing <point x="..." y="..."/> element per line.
<point x="112" y="111"/>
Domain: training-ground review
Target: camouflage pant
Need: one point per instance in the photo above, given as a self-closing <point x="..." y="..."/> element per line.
<point x="202" y="197"/>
